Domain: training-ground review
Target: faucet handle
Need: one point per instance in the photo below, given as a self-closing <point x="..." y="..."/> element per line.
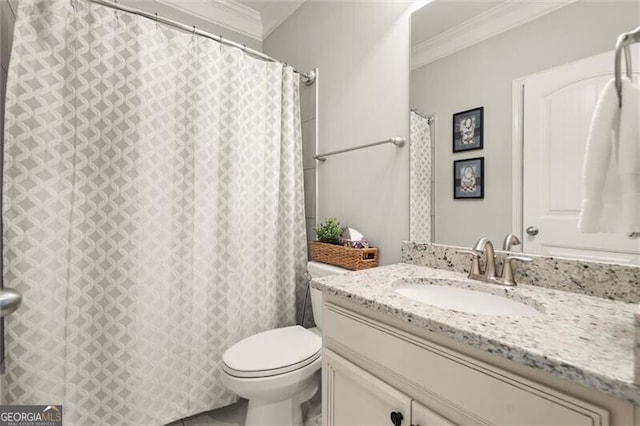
<point x="520" y="258"/>
<point x="475" y="261"/>
<point x="507" y="270"/>
<point x="474" y="253"/>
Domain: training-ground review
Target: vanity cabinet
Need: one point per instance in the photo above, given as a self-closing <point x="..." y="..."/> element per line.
<point x="371" y="369"/>
<point x="356" y="397"/>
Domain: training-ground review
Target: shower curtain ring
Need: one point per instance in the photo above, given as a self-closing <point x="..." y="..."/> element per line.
<point x="156" y="20"/>
<point x="193" y="33"/>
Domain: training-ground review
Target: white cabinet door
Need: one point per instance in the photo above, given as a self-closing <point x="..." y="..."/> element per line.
<point x="422" y="416"/>
<point x="351" y="396"/>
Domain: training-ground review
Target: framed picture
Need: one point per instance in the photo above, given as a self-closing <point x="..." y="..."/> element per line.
<point x="468" y="178"/>
<point x="467" y="130"/>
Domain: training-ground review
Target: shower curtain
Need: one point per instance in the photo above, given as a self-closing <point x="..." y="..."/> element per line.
<point x="420" y="178"/>
<point x="153" y="212"/>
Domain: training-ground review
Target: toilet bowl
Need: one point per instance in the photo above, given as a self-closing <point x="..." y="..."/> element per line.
<point x="278" y="370"/>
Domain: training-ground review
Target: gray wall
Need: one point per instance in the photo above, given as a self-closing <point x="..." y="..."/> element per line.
<point x="482" y="76"/>
<point x="362" y="52"/>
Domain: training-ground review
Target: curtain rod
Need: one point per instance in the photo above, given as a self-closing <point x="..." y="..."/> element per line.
<point x="396" y="140"/>
<point x="309" y="77"/>
<point x="429" y="118"/>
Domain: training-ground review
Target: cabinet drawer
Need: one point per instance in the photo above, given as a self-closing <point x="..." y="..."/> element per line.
<point x="421" y="415"/>
<point x="486" y="392"/>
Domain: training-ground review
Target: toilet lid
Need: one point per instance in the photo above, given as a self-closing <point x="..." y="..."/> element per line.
<point x="272" y="352"/>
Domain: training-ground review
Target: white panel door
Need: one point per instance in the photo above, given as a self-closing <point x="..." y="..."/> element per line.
<point x="558" y="106"/>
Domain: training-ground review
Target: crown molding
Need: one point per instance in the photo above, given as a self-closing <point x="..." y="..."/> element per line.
<point x="269" y="26"/>
<point x="498" y="19"/>
<point x="228" y="14"/>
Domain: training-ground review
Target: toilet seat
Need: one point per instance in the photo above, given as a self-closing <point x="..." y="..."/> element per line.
<point x="272" y="352"/>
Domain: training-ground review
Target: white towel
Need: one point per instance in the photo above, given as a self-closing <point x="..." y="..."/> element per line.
<point x="611" y="172"/>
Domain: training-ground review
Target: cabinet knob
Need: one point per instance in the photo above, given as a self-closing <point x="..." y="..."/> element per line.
<point x="396" y="418"/>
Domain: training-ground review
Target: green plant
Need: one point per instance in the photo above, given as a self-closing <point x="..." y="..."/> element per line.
<point x="329" y="231"/>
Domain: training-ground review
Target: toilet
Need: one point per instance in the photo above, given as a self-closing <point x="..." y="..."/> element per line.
<point x="278" y="370"/>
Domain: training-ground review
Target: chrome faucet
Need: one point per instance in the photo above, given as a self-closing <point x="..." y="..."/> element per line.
<point x="485" y="246"/>
<point x="475" y="273"/>
<point x="510" y="240"/>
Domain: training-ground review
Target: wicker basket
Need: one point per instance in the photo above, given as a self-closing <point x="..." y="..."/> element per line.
<point x="345" y="257"/>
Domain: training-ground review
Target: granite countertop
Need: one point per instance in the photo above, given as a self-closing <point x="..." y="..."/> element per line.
<point x="585" y="339"/>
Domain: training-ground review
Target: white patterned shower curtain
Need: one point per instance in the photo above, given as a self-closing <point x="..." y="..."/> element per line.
<point x="420" y="178"/>
<point x="153" y="212"/>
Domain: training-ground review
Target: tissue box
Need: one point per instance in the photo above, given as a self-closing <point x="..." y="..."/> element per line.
<point x="359" y="244"/>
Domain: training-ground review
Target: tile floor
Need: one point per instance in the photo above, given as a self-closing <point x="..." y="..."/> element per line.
<point x="234" y="415"/>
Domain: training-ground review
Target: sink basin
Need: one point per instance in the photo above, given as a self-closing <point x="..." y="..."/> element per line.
<point x="464" y="300"/>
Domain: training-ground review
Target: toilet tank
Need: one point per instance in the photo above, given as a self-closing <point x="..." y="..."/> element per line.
<point x="318" y="270"/>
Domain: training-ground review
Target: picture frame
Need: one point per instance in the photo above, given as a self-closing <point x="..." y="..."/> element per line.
<point x="468" y="130"/>
<point x="468" y="178"/>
